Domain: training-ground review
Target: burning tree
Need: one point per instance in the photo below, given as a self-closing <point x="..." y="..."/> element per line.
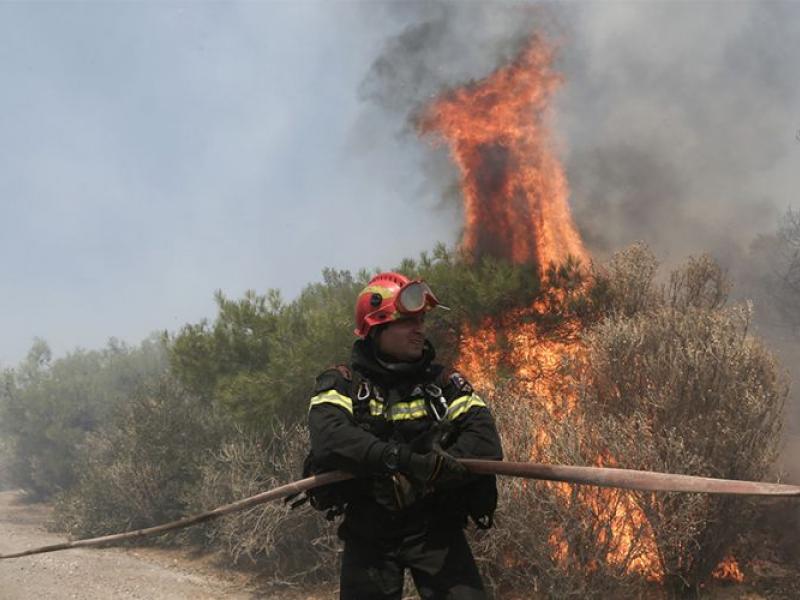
<point x="600" y="368"/>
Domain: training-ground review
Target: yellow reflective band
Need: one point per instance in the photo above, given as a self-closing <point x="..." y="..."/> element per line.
<point x="462" y="404"/>
<point x="408" y="410"/>
<point x="375" y="408"/>
<point x="332" y="397"/>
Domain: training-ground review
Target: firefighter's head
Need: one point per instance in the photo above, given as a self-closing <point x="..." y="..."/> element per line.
<point x="391" y="310"/>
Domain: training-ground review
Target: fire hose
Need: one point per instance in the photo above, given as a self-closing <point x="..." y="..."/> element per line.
<point x="645" y="481"/>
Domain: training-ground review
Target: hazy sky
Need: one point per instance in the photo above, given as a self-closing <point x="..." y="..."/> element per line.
<point x="151" y="153"/>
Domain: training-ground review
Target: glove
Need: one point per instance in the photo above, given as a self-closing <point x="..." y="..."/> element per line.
<point x="436" y="468"/>
<point x="395" y="492"/>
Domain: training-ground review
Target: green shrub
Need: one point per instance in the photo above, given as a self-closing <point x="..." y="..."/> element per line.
<point x="47" y="407"/>
<point x="141" y="468"/>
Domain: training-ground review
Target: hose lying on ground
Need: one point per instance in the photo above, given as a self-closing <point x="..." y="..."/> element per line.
<point x="599" y="476"/>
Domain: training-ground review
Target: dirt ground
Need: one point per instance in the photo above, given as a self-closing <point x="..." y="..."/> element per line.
<point x="178" y="574"/>
<point x="110" y="573"/>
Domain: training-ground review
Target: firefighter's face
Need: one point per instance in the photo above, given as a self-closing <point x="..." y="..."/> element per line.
<point x="404" y="339"/>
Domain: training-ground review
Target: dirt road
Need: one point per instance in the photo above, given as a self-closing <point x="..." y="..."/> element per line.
<point x="90" y="574"/>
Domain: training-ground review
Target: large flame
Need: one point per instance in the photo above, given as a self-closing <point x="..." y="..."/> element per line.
<point x="515" y="197"/>
<point x="514" y="187"/>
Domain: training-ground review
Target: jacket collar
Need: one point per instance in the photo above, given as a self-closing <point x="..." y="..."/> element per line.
<point x="367" y="360"/>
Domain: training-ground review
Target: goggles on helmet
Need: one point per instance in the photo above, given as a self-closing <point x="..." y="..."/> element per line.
<point x="391" y="296"/>
<point x="414" y="297"/>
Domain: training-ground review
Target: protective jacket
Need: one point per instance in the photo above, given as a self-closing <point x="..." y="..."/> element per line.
<point x="353" y="418"/>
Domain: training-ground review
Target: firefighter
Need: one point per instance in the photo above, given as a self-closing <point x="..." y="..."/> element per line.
<point x="398" y="421"/>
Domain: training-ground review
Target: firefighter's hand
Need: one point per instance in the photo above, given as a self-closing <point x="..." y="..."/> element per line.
<point x="395" y="492"/>
<point x="436" y="468"/>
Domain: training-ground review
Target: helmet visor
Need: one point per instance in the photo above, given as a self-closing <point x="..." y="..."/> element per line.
<point x="415" y="297"/>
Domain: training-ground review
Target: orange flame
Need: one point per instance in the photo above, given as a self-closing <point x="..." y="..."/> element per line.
<point x="515" y="206"/>
<point x="728" y="570"/>
<point x="514" y="186"/>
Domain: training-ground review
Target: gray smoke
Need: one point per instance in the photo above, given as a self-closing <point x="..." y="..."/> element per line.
<point x="680" y="121"/>
<point x="443" y="45"/>
<point x="677" y="122"/>
<point x="439" y="46"/>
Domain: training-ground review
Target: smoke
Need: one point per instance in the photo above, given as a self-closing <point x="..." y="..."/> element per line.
<point x="443" y="45"/>
<point x="438" y="46"/>
<point x="680" y="121"/>
<point x="677" y="122"/>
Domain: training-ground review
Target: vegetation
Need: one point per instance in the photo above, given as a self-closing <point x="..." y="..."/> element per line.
<point x="143" y="467"/>
<point x="672" y="381"/>
<point x="47" y="407"/>
<point x="670" y="378"/>
<point x="259" y="357"/>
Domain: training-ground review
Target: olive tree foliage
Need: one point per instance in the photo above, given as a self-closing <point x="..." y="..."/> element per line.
<point x="141" y="469"/>
<point x="48" y="406"/>
<point x="259" y="357"/>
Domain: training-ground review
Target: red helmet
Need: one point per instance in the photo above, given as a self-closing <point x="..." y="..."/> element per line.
<point x="389" y="297"/>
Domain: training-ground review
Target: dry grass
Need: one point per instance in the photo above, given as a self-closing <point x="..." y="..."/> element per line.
<point x="288" y="546"/>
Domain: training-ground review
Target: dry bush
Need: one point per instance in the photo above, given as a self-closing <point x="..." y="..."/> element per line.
<point x="683" y="387"/>
<point x="688" y="392"/>
<point x="552" y="540"/>
<point x="629" y="280"/>
<point x="136" y="472"/>
<point x="288" y="546"/>
<point x="671" y="381"/>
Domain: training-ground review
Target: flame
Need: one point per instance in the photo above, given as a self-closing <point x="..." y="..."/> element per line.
<point x="514" y="186"/>
<point x="728" y="570"/>
<point x="515" y="206"/>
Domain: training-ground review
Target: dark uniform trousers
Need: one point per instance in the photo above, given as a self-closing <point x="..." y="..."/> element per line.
<point x="440" y="562"/>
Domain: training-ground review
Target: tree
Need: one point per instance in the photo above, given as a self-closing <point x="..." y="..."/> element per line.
<point x="48" y="406"/>
<point x="260" y="355"/>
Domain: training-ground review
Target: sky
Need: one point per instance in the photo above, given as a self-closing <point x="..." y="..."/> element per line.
<point x="152" y="153"/>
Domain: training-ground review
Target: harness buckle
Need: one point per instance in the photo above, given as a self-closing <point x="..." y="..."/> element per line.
<point x="363" y="391"/>
<point x="436" y="401"/>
